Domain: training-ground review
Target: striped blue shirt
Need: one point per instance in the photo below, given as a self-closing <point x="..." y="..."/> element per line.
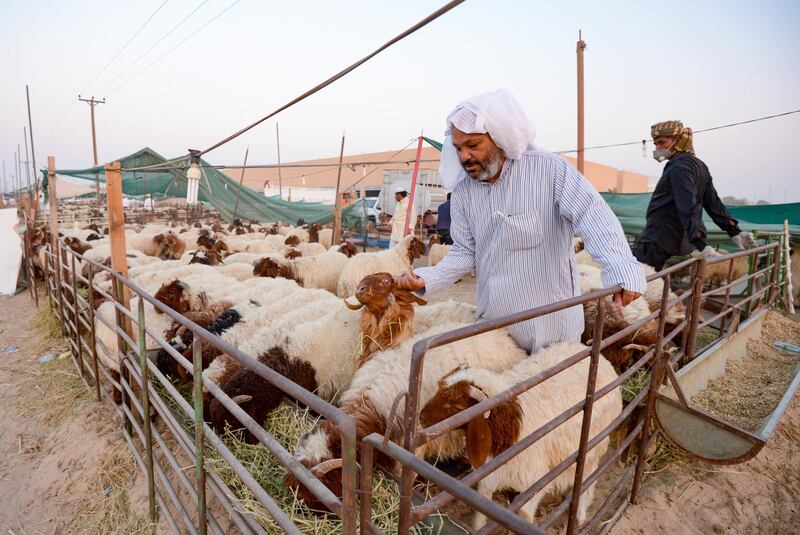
<point x="517" y="236"/>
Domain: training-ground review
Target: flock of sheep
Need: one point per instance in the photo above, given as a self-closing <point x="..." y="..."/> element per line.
<point x="335" y="323"/>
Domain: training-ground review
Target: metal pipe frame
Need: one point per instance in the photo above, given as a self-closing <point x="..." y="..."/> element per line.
<point x="136" y="368"/>
<point x="128" y="350"/>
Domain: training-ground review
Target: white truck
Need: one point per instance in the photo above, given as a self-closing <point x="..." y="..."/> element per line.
<point x="429" y="193"/>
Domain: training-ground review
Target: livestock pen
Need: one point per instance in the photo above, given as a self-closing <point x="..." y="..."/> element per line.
<point x="165" y="425"/>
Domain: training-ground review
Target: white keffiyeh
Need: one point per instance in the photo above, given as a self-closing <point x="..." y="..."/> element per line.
<point x="495" y="113"/>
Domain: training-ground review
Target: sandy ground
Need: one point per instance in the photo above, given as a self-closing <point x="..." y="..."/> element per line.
<point x="758" y="496"/>
<point x="64" y="465"/>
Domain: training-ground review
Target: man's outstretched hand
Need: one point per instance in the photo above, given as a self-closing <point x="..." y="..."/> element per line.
<point x="409" y="281"/>
<point x="625" y="297"/>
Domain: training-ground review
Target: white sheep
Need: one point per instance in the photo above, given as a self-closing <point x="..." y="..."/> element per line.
<point x="395" y="261"/>
<point x="377" y="383"/>
<point x="326" y="237"/>
<point x="488" y="435"/>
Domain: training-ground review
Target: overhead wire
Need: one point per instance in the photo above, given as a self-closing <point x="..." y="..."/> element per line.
<point x="720" y="127"/>
<point x="178" y="25"/>
<point x="137" y="32"/>
<point x="162" y="56"/>
<point x="430" y="18"/>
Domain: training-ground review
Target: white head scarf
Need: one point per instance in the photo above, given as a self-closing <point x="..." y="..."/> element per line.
<point x="495" y="113"/>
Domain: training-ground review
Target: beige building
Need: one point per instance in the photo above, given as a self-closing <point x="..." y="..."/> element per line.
<point x="322" y="173"/>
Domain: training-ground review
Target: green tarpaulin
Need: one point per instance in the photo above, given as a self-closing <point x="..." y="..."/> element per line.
<point x="630" y="209"/>
<point x="216" y="189"/>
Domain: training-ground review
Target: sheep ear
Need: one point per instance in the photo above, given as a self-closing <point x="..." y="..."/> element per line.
<point x="241" y="398"/>
<point x="418" y="300"/>
<point x="479" y="441"/>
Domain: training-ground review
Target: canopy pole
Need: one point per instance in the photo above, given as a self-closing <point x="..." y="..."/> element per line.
<point x="406" y="230"/>
<point x="280" y="179"/>
<point x="241" y="179"/>
<point x="337" y="206"/>
<point x="33" y="156"/>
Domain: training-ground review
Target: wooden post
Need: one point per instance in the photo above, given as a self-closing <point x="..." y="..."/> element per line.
<point x="241" y="179"/>
<point x="337" y="206"/>
<point x="116" y="231"/>
<point x="406" y="230"/>
<point x="581" y="48"/>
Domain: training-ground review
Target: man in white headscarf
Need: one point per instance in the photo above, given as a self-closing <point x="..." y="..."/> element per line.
<point x="514" y="212"/>
<point x="400" y="220"/>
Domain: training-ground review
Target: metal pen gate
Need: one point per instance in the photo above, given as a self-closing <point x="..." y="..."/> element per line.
<point x="163" y="451"/>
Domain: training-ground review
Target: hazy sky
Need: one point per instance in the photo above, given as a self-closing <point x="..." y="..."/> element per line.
<point x="706" y="63"/>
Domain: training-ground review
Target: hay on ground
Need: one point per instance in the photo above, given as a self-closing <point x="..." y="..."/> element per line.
<point x="751" y="387"/>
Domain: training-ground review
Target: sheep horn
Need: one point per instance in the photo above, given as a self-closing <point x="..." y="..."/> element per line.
<point x="352" y="306"/>
<point x="241" y="398"/>
<point x="326" y="466"/>
<point x="479" y="395"/>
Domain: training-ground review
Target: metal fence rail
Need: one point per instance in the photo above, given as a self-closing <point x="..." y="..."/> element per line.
<point x="167" y="432"/>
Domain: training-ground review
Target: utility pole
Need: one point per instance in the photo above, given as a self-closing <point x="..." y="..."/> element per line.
<point x="581" y="47"/>
<point x="33" y="155"/>
<point x="92" y="103"/>
<point x="280" y="181"/>
<point x="27" y="161"/>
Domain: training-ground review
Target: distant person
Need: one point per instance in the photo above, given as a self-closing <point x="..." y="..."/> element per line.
<point x="443" y="222"/>
<point x="674" y="224"/>
<point x="399" y="220"/>
<point x="514" y="211"/>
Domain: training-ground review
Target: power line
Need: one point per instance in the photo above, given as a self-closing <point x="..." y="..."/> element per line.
<point x="137" y="32"/>
<point x="180" y="23"/>
<point x="645" y="141"/>
<point x="162" y="56"/>
<point x="430" y="18"/>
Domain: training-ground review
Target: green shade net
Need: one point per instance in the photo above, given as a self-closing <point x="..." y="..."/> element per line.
<point x="631" y="209"/>
<point x="168" y="180"/>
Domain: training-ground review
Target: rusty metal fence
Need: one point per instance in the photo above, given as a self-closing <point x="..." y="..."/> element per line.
<point x="204" y="503"/>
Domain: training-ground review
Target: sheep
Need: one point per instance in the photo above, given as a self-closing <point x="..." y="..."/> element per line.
<point x="617" y="318"/>
<point x="106" y="338"/>
<point x="300" y="233"/>
<point x="437" y="250"/>
<point x="369" y="398"/>
<point x="77" y="245"/>
<point x="396" y="260"/>
<point x="166" y="246"/>
<point x="493" y="432"/>
<point x="218" y="318"/>
<point x="209" y="258"/>
<point x="324" y="363"/>
<point x="319" y="271"/>
<point x="652" y="295"/>
<point x="312" y="249"/>
<point x="313" y="233"/>
<point x="717" y="274"/>
<point x="239" y="270"/>
<point x="326" y="237"/>
<point x="577" y="244"/>
<point x="346" y="248"/>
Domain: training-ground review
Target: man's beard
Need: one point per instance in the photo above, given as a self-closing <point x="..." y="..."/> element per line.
<point x="489" y="168"/>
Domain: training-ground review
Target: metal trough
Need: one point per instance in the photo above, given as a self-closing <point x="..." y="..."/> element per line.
<point x="704" y="435"/>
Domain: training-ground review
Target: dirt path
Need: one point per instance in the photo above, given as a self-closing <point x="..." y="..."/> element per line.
<point x="64" y="466"/>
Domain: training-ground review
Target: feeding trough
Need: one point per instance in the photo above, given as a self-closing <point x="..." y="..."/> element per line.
<point x="705" y="435"/>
